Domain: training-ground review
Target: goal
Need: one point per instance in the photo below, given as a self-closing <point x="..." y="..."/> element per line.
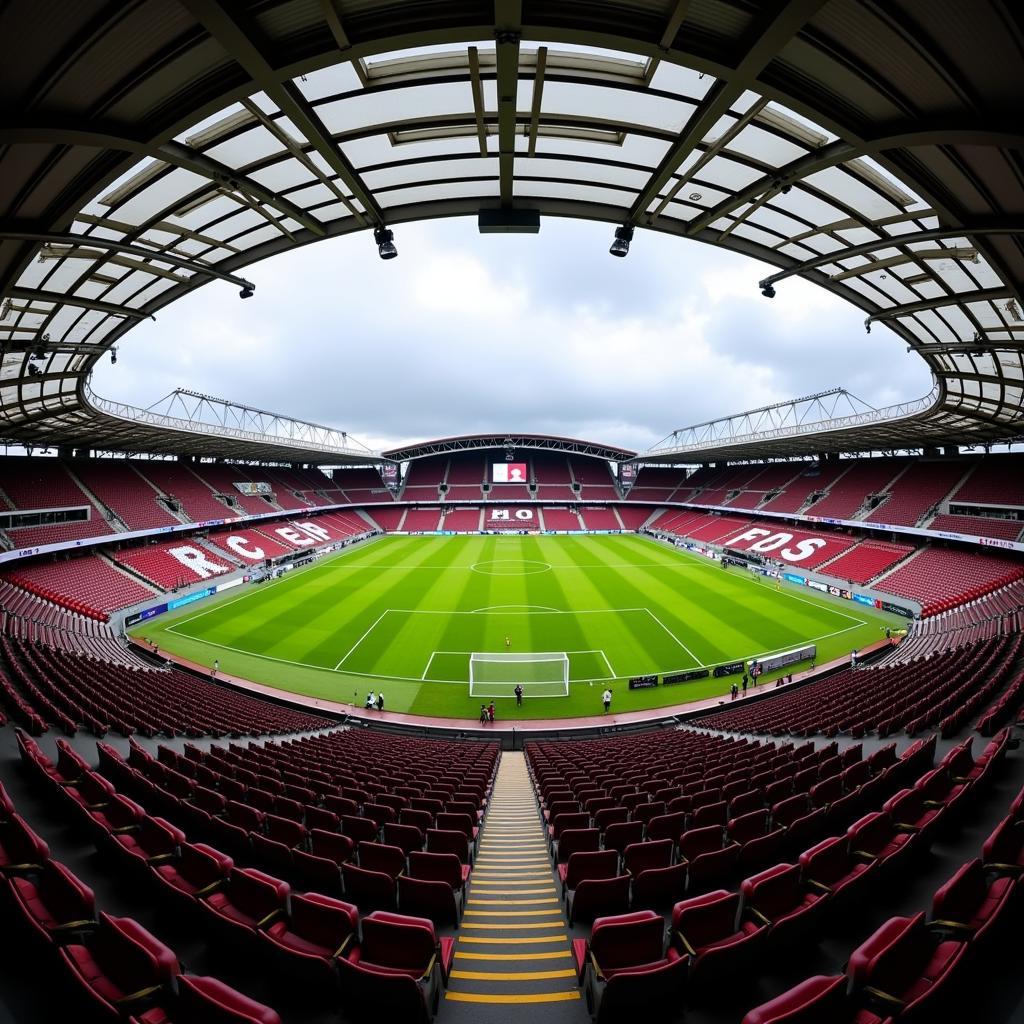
<point x="540" y="675"/>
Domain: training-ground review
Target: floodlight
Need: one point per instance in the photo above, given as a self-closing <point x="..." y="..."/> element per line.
<point x="33" y="370"/>
<point x="384" y="237"/>
<point x="246" y="292"/>
<point x="623" y="236"/>
<point x="768" y="289"/>
<point x="113" y="356"/>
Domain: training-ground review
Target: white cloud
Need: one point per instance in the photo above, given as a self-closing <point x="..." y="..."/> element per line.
<point x="467" y="333"/>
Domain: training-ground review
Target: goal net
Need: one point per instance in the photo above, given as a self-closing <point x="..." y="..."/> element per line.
<point x="498" y="675"/>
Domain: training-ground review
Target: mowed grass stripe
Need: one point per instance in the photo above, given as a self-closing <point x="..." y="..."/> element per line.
<point x="319" y="613"/>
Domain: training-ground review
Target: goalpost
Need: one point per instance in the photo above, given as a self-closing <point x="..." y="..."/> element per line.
<point x="540" y="675"/>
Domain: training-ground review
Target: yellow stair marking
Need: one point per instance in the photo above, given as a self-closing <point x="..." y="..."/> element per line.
<point x="474" y="902"/>
<point x="511" y="975"/>
<point x="554" y="954"/>
<point x="549" y="997"/>
<point x="487" y="891"/>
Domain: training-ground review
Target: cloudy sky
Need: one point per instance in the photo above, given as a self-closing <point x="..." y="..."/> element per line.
<point x="548" y="333"/>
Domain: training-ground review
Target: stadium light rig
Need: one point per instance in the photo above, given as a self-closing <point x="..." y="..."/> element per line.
<point x="247" y="291"/>
<point x="385" y="239"/>
<point x="768" y="289"/>
<point x="623" y="236"/>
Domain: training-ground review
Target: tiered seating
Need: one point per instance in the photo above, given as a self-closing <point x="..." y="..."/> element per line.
<point x="866" y="560"/>
<point x="656" y="484"/>
<point x="388" y="519"/>
<point x="770" y="479"/>
<point x="358" y="485"/>
<point x="125" y="493"/>
<point x="978" y="526"/>
<point x="87" y="584"/>
<point x="561" y="519"/>
<point x="177" y="481"/>
<point x="848" y="493"/>
<point x="551" y="473"/>
<point x="633" y="518"/>
<point x="159" y="566"/>
<point x="461" y="520"/>
<point x="423" y="478"/>
<point x="917" y="492"/>
<point x="941" y="578"/>
<point x="418" y="520"/>
<point x="997" y="480"/>
<point x="595" y="479"/>
<point x="35" y="484"/>
<point x="911" y="696"/>
<point x="813" y="479"/>
<point x="222" y="480"/>
<point x="247" y="545"/>
<point x="821" y="548"/>
<point x="600" y="519"/>
<point x="101" y="696"/>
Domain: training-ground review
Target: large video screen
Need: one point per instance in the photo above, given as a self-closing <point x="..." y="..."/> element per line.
<point x="508" y="473"/>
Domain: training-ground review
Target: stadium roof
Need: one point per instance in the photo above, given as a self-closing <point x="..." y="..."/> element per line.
<point x="150" y="148"/>
<point x="476" y="442"/>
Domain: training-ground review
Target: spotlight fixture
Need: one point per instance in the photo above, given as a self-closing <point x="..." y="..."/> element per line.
<point x="623" y="236"/>
<point x="246" y="292"/>
<point x="34" y="371"/>
<point x="113" y="356"/>
<point x="385" y="239"/>
<point x="768" y="289"/>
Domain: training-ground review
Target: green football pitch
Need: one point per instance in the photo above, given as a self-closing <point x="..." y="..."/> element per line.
<point x="403" y="615"/>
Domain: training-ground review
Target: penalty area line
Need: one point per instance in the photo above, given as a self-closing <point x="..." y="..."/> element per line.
<point x="361" y="639"/>
<point x="674" y="637"/>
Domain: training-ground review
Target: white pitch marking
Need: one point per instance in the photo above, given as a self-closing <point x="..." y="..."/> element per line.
<point x="674" y="637"/>
<point x="362" y="638"/>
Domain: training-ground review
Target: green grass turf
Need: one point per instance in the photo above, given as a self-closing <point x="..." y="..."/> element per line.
<point x="374" y="616"/>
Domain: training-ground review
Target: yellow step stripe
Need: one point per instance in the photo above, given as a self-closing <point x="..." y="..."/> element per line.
<point x="510" y="913"/>
<point x="474" y="902"/>
<point x="554" y="954"/>
<point x="510" y="892"/>
<point x="549" y="997"/>
<point x="555" y="922"/>
<point x="511" y="975"/>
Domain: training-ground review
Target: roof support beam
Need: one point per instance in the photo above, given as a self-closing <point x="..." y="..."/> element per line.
<point x="478" y="98"/>
<point x="958" y="299"/>
<point x="238" y="42"/>
<point x="98" y="242"/>
<point x="508" y="18"/>
<point x="1003" y="227"/>
<point x="538" y="97"/>
<point x="903" y="136"/>
<point x="63" y="299"/>
<point x="720" y="97"/>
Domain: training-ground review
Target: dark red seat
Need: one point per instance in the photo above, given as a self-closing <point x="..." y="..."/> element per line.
<point x="619" y="835"/>
<point x="368" y="890"/>
<point x="154" y="841"/>
<point x="406" y="837"/>
<point x="205" y="1000"/>
<point x="709" y="856"/>
<point x="198" y="871"/>
<point x="55" y="902"/>
<point x="450" y="841"/>
<point x="121" y="967"/>
<point x="875" y="837"/>
<point x="1003" y="850"/>
<point x="910" y="813"/>
<point x="818" y="1000"/>
<point x="778" y="898"/>
<point x="21" y="850"/>
<point x="643" y="856"/>
<point x="971" y="905"/>
<point x="618" y="943"/>
<point x="248" y="901"/>
<point x="576" y="840"/>
<point x="830" y="868"/>
<point x="587" y="865"/>
<point x="381" y="857"/>
<point x="704" y="928"/>
<point x="598" y="897"/>
<point x="316" y="931"/>
<point x="906" y="970"/>
<point x="657" y="888"/>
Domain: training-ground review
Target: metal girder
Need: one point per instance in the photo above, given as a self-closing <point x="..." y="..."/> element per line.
<point x="12" y="231"/>
<point x="508" y="18"/>
<point x="62" y="299"/>
<point x="951" y="299"/>
<point x="227" y="29"/>
<point x="478" y="98"/>
<point x="977" y="228"/>
<point x="903" y="136"/>
<point x="720" y="97"/>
